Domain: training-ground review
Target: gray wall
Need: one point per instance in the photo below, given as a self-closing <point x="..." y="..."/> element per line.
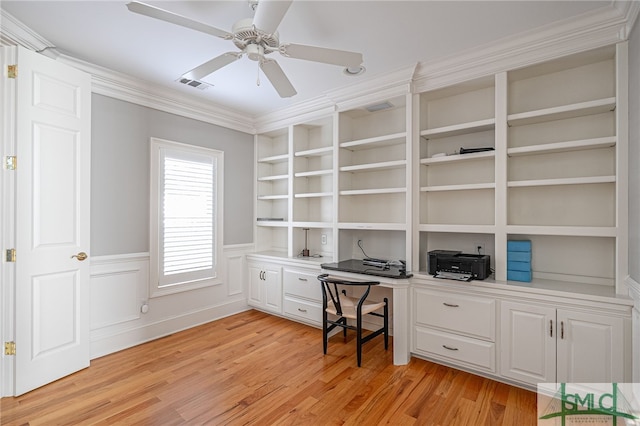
<point x="120" y="173"/>
<point x="634" y="153"/>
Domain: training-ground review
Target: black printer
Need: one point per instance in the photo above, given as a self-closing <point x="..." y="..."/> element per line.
<point x="457" y="265"/>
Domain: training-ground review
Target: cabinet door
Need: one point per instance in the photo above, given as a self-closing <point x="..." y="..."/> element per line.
<point x="528" y="342"/>
<point x="590" y="348"/>
<point x="272" y="290"/>
<point x="256" y="285"/>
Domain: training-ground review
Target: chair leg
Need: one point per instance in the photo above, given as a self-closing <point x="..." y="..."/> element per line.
<point x="386" y="323"/>
<point x="325" y="333"/>
<point x="344" y="329"/>
<point x="359" y="338"/>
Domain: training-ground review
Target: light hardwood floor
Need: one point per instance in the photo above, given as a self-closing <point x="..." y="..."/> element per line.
<point x="254" y="368"/>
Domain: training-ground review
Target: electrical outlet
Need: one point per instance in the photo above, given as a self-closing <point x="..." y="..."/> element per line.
<point x="324" y="239"/>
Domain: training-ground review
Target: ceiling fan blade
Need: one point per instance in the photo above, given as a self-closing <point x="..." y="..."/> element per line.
<point x="164" y="15"/>
<point x="277" y="78"/>
<point x="213" y="65"/>
<point x="321" y="54"/>
<point x="269" y="14"/>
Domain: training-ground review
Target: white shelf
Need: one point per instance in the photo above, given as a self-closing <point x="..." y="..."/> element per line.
<point x="577" y="145"/>
<point x="373" y="191"/>
<point x="458" y="157"/>
<point x="573" y="231"/>
<point x="313" y="195"/>
<point x="327" y="150"/>
<point x="466" y="229"/>
<point x="465" y="187"/>
<point x="373" y="226"/>
<point x="274" y="159"/>
<point x="459" y="129"/>
<point x="314" y="173"/>
<point x="374" y="166"/>
<point x="271" y="178"/>
<point x="392" y="139"/>
<point x="562" y="181"/>
<point x="580" y="109"/>
<point x="273" y="197"/>
<point x="272" y="223"/>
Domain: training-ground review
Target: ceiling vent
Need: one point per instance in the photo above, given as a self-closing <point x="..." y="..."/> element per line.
<point x="194" y="83"/>
<point x="379" y="107"/>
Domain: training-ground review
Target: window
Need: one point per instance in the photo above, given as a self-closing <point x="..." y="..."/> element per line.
<point x="186" y="217"/>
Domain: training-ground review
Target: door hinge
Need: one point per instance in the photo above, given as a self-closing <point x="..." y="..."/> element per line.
<point x="10" y="162"/>
<point x="9" y="348"/>
<point x="10" y="255"/>
<point x="12" y="71"/>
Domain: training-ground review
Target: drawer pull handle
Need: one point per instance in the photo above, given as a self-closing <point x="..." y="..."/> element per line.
<point x="550" y="328"/>
<point x="451" y="305"/>
<point x="562" y="329"/>
<point x="449" y="348"/>
<point x="302" y="279"/>
<point x="302" y="310"/>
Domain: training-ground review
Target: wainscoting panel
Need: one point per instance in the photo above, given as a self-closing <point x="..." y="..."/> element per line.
<point x="118" y="288"/>
<point x="123" y="315"/>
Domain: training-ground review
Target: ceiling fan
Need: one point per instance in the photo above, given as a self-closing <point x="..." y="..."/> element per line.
<point x="255" y="37"/>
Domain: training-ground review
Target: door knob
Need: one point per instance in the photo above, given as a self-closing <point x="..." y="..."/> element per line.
<point x="80" y="256"/>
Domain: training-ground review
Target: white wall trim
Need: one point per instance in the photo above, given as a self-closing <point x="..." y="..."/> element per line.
<point x="120" y="86"/>
<point x="15" y="33"/>
<point x="107" y="344"/>
<point x="634" y="292"/>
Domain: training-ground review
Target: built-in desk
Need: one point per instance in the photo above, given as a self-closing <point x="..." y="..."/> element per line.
<point x="393" y="278"/>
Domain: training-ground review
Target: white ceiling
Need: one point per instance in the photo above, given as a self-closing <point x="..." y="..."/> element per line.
<point x="390" y="34"/>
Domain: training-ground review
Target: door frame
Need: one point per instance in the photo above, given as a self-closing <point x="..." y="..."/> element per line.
<point x="8" y="56"/>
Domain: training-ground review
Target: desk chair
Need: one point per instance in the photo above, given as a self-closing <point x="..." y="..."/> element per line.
<point x="336" y="302"/>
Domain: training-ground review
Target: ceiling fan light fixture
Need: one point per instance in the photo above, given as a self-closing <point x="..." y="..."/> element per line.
<point x="255" y="52"/>
<point x="354" y="71"/>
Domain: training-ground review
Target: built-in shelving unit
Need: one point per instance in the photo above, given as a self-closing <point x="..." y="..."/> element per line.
<point x="563" y="174"/>
<point x="456" y="190"/>
<point x="525" y="154"/>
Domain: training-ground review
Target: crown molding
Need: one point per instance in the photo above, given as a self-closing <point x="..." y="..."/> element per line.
<point x="301" y="112"/>
<point x="598" y="28"/>
<point x="15" y="33"/>
<point x="384" y="86"/>
<point x="120" y="86"/>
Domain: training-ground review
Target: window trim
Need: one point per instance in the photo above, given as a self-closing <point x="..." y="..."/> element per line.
<point x="157" y="146"/>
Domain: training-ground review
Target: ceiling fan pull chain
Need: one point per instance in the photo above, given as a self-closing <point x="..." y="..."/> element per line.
<point x="258" y="76"/>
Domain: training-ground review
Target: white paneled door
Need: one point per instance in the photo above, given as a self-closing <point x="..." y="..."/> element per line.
<point x="53" y="131"/>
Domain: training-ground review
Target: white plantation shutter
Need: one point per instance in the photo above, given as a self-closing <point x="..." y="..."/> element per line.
<point x="187" y="216"/>
<point x="185" y="248"/>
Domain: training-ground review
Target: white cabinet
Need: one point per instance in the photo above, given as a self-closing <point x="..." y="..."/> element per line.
<point x="302" y="295"/>
<point x="265" y="287"/>
<point x="455" y="328"/>
<point x="544" y="344"/>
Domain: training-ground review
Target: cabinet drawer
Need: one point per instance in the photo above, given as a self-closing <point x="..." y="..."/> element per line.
<point x="478" y="353"/>
<point x="302" y="284"/>
<point x="309" y="311"/>
<point x="474" y="316"/>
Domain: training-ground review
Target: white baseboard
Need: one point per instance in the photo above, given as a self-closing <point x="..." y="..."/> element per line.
<point x="128" y="338"/>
